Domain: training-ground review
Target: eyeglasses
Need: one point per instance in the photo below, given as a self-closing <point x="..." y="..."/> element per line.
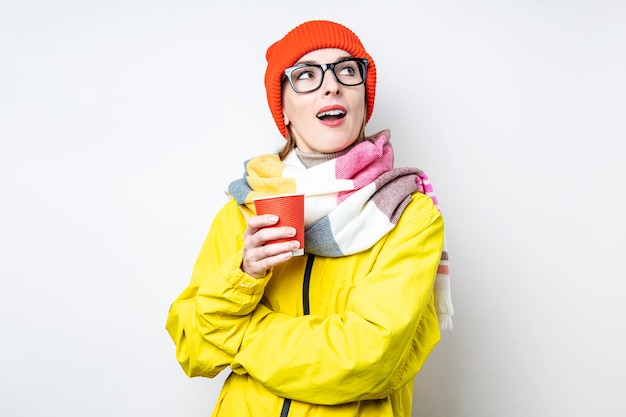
<point x="305" y="78"/>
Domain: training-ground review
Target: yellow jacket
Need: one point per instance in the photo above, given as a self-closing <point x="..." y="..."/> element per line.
<point x="316" y="336"/>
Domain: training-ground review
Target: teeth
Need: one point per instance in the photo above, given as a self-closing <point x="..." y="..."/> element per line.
<point x="331" y="113"/>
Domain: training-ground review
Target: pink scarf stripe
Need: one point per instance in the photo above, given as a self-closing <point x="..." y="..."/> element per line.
<point x="364" y="163"/>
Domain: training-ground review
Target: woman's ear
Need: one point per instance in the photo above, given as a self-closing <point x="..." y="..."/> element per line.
<point x="285" y="119"/>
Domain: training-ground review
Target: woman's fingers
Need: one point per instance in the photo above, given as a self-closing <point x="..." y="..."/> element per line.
<point x="258" y="255"/>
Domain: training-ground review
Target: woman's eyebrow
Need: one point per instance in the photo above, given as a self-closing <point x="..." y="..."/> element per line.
<point x="310" y="62"/>
<point x="306" y="63"/>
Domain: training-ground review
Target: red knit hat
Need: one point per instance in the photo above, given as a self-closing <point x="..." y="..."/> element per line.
<point x="307" y="37"/>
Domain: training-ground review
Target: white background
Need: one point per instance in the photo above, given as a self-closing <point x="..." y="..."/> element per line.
<point x="121" y="123"/>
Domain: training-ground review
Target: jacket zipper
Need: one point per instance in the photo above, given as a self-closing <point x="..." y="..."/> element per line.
<point x="306" y="307"/>
<point x="285" y="411"/>
<point x="305" y="285"/>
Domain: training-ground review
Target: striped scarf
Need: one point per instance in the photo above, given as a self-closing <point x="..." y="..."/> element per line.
<point x="351" y="201"/>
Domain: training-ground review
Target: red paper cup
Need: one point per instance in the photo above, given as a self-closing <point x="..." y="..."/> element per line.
<point x="290" y="211"/>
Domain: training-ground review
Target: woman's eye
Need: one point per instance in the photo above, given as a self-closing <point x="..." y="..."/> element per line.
<point x="347" y="70"/>
<point x="305" y="74"/>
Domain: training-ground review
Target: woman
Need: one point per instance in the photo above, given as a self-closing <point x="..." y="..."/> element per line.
<point x="344" y="329"/>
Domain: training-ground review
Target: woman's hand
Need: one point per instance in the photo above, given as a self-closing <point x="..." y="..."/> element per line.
<point x="258" y="256"/>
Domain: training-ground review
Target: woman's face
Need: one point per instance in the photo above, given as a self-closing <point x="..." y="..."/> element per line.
<point x="307" y="115"/>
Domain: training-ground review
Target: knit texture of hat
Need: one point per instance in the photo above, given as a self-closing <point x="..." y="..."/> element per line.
<point x="307" y="37"/>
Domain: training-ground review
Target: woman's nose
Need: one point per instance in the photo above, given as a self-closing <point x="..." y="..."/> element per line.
<point x="330" y="85"/>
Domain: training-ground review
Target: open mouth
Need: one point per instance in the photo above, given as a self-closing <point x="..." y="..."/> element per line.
<point x="331" y="115"/>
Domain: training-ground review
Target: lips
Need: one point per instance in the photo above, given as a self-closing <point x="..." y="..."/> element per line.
<point x="331" y="113"/>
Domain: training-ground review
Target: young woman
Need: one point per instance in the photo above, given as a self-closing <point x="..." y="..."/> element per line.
<point x="344" y="329"/>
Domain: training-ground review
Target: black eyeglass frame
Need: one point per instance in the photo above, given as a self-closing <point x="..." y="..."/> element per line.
<point x="363" y="62"/>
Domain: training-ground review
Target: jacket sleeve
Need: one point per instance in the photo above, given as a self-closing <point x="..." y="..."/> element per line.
<point x="207" y="343"/>
<point x="376" y="347"/>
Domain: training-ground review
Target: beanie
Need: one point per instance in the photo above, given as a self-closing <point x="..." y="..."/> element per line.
<point x="307" y="37"/>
